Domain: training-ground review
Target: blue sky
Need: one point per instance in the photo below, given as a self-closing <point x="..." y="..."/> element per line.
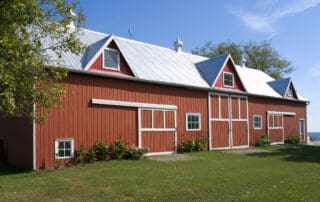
<point x="291" y="25"/>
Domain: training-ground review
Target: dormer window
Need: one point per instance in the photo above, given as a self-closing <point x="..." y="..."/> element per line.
<point x="228" y="79"/>
<point x="111" y="59"/>
<point x="290" y="93"/>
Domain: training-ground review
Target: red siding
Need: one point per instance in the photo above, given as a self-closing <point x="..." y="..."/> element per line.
<point x="77" y="118"/>
<point x="158" y="141"/>
<point x="124" y="67"/>
<point x="260" y="106"/>
<point x="237" y="86"/>
<point x="220" y="134"/>
<point x="224" y="107"/>
<point x="239" y="133"/>
<point x="169" y="119"/>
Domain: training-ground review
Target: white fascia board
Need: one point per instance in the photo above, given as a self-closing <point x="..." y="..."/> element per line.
<point x="95" y="57"/>
<point x="281" y="113"/>
<point x="132" y="104"/>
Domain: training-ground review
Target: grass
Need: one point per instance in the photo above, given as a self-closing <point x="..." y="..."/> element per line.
<point x="278" y="174"/>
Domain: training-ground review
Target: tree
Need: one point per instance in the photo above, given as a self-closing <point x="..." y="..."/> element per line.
<point x="27" y="76"/>
<point x="259" y="56"/>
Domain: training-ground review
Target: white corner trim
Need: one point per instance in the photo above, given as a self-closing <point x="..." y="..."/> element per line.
<point x="34" y="141"/>
<point x="132" y="104"/>
<point x="281" y="113"/>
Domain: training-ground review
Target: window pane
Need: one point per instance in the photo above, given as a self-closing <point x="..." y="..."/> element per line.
<point x="61" y="153"/>
<point x="68" y="153"/>
<point x="68" y="144"/>
<point x="61" y="145"/>
<point x="196" y="125"/>
<point x="196" y="118"/>
<point x="111" y="59"/>
<point x="189" y="118"/>
<point x="189" y="125"/>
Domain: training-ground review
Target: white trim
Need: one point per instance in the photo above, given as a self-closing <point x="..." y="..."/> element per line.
<point x="228" y="73"/>
<point x="139" y="129"/>
<point x="95" y="57"/>
<point x="304" y="128"/>
<point x="132" y="104"/>
<point x="157" y="129"/>
<point x="152" y="118"/>
<point x="176" y="132"/>
<point x="34" y="140"/>
<point x="56" y="143"/>
<point x="281" y="113"/>
<point x="274" y="143"/>
<point x="253" y="122"/>
<point x="193" y="114"/>
<point x="248" y="124"/>
<point x="230" y="122"/>
<point x="160" y="153"/>
<point x="213" y="119"/>
<point x="209" y="122"/>
<point x="118" y="58"/>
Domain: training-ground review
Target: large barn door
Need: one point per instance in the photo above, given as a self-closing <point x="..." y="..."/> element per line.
<point x="228" y="121"/>
<point x="157" y="130"/>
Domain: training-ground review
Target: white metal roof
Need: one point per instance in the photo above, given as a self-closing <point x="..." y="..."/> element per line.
<point x="154" y="63"/>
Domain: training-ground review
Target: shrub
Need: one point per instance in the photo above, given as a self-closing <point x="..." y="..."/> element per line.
<point x="81" y="154"/>
<point x="264" y="140"/>
<point x="117" y="150"/>
<point x="91" y="155"/>
<point x="134" y="153"/>
<point x="292" y="140"/>
<point x="192" y="145"/>
<point x="101" y="151"/>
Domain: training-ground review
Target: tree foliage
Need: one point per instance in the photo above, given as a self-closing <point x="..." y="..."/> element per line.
<point x="26" y="72"/>
<point x="258" y="55"/>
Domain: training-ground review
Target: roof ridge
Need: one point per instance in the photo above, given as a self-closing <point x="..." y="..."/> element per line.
<point x="101" y="33"/>
<point x="157" y="46"/>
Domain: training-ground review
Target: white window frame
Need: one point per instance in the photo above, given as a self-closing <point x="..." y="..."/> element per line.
<point x="257" y="116"/>
<point x="229" y="73"/>
<point x="110" y="68"/>
<point x="56" y="143"/>
<point x="193" y="114"/>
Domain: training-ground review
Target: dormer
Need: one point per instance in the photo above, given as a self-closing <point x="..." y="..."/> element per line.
<point x="220" y="73"/>
<point x="284" y="87"/>
<point x="107" y="58"/>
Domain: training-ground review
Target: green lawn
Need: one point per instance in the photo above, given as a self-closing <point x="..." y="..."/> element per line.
<point x="279" y="174"/>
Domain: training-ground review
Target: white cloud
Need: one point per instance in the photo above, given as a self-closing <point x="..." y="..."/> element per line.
<point x="259" y="22"/>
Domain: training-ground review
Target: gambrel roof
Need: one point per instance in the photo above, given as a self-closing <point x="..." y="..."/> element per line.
<point x="166" y="66"/>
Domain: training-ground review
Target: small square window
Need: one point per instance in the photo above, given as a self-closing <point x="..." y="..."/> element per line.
<point x="193" y="122"/>
<point x="111" y="59"/>
<point x="257" y="122"/>
<point x="64" y="148"/>
<point x="290" y="93"/>
<point x="227" y="79"/>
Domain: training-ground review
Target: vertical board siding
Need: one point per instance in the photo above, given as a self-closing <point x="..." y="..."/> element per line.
<point x="158" y="141"/>
<point x="146" y="120"/>
<point x="158" y="119"/>
<point x="220" y="134"/>
<point x="276" y="135"/>
<point x="87" y="124"/>
<point x="214" y="105"/>
<point x="224" y="107"/>
<point x="235" y="107"/>
<point x="239" y="133"/>
<point x="260" y="106"/>
<point x="169" y="119"/>
<point x="243" y="108"/>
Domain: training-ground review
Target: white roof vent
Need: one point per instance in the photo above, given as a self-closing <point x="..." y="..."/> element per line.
<point x="243" y="60"/>
<point x="72" y="15"/>
<point x="178" y="45"/>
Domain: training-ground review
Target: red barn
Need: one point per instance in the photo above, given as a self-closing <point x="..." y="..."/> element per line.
<point x="155" y="97"/>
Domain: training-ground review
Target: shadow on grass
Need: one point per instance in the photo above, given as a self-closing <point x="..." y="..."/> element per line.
<point x="9" y="170"/>
<point x="294" y="153"/>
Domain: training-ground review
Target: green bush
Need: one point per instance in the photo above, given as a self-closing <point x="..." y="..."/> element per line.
<point x="264" y="140"/>
<point x="81" y="154"/>
<point x="135" y="153"/>
<point x="101" y="151"/>
<point x="292" y="140"/>
<point x="192" y="145"/>
<point x="91" y="155"/>
<point x="117" y="150"/>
